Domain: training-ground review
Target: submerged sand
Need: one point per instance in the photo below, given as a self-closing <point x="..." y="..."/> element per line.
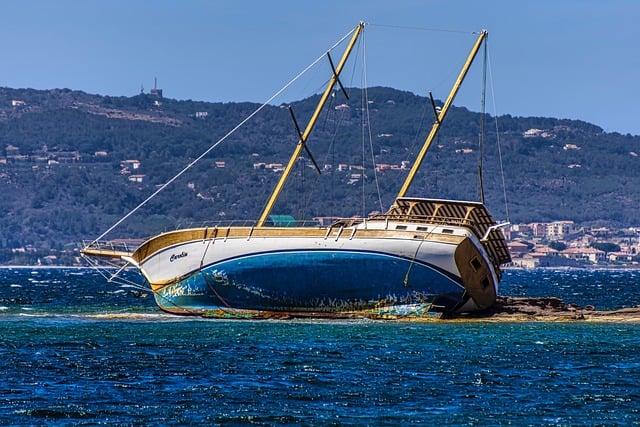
<point x="547" y="309"/>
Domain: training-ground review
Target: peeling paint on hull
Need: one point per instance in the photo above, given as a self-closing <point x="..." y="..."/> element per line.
<point x="313" y="284"/>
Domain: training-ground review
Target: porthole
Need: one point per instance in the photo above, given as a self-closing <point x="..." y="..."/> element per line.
<point x="476" y="264"/>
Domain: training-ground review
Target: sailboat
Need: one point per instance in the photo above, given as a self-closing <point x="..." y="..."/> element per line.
<point x="422" y="256"/>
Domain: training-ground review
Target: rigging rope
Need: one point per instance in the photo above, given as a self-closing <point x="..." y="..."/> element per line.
<point x="221" y="140"/>
<point x="415" y="255"/>
<point x="495" y="115"/>
<point x="402" y="27"/>
<point x="115" y="278"/>
<point x="368" y="120"/>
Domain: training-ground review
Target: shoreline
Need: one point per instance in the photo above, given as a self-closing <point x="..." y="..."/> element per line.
<point x="602" y="267"/>
<point x="545" y="309"/>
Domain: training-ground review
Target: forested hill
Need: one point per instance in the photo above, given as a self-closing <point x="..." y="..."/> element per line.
<point x="72" y="164"/>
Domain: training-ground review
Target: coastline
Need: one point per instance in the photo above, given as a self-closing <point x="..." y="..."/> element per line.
<point x="545" y="309"/>
<point x="594" y="267"/>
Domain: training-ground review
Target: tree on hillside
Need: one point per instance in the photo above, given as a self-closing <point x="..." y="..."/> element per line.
<point x="606" y="247"/>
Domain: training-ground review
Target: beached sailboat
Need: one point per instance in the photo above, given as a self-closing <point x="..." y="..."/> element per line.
<point x="421" y="256"/>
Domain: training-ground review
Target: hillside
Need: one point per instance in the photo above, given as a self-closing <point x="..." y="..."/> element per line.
<point x="72" y="164"/>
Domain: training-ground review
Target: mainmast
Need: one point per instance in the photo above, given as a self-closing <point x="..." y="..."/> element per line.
<point x="441" y="116"/>
<point x="309" y="128"/>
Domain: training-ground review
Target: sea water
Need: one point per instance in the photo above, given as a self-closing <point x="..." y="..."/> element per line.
<point x="77" y="350"/>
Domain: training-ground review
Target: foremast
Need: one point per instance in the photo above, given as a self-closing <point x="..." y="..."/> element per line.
<point x="443" y="112"/>
<point x="305" y="135"/>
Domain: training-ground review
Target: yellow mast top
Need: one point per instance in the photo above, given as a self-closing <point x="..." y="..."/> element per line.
<point x="309" y="128"/>
<point x="441" y="116"/>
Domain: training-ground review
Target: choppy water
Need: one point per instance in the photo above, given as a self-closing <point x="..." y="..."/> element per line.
<point x="75" y="350"/>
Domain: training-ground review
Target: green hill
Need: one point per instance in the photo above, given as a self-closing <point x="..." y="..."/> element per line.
<point x="72" y="164"/>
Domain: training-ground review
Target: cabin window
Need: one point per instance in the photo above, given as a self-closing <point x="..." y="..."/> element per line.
<point x="447" y="230"/>
<point x="485" y="282"/>
<point x="476" y="264"/>
<point x="401" y="227"/>
<point x="422" y="228"/>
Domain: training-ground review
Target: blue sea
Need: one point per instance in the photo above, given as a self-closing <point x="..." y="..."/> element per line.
<point x="77" y="350"/>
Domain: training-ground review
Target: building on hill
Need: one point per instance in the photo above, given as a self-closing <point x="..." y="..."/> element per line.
<point x="539" y="256"/>
<point x="592" y="255"/>
<point x="559" y="229"/>
<point x="517" y="249"/>
<point x="621" y="256"/>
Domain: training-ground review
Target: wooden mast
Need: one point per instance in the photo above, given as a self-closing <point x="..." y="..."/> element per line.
<point x="309" y="128"/>
<point x="443" y="113"/>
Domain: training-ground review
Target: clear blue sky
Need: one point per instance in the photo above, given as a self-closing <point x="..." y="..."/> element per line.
<point x="575" y="59"/>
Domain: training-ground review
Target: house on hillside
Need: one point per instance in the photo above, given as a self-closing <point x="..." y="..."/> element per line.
<point x="517" y="249"/>
<point x="620" y="256"/>
<point x="591" y="255"/>
<point x="131" y="164"/>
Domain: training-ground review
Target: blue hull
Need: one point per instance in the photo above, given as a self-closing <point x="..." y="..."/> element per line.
<point x="300" y="282"/>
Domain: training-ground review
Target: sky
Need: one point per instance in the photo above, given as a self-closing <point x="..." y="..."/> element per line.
<point x="568" y="59"/>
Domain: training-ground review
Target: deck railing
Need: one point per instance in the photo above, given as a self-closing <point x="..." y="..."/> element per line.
<point x="128" y="246"/>
<point x="250" y="223"/>
<point x="437" y="219"/>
